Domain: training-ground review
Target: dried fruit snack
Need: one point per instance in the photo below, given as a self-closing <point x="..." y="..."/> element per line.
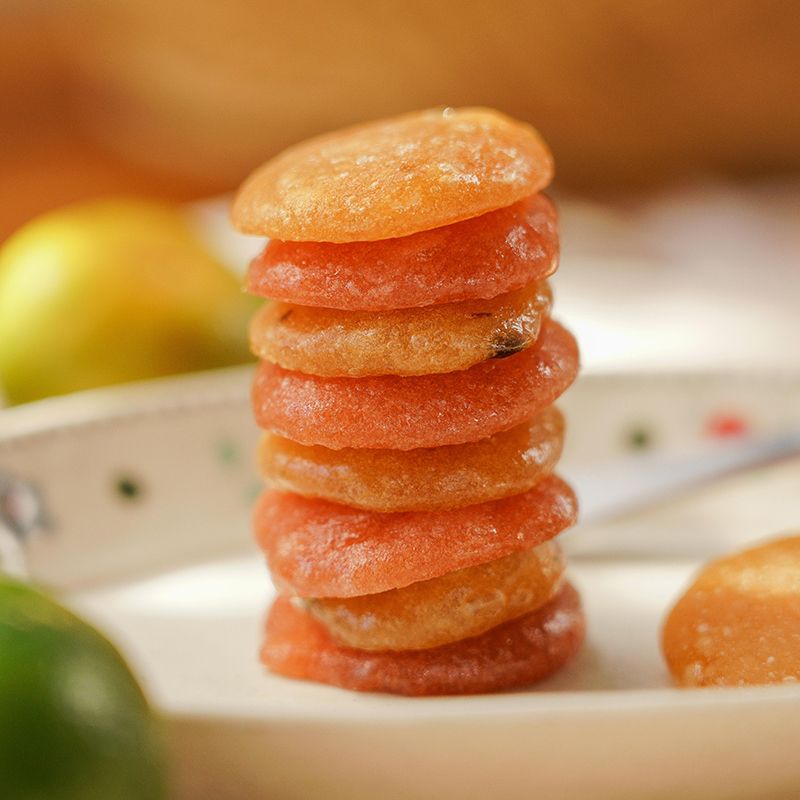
<point x="424" y="479"/>
<point x="394" y="177"/>
<point x="475" y="259"/>
<point x="738" y="624"/>
<point x="419" y="411"/>
<point x="454" y="606"/>
<point x="316" y="548"/>
<point x="406" y="386"/>
<point x="404" y="341"/>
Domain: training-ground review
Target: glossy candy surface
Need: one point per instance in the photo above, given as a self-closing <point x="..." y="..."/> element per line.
<point x="408" y="370"/>
<point x="425" y="479"/>
<point x="515" y="653"/>
<point x="739" y="623"/>
<point x="316" y="548"/>
<point x="422" y="411"/>
<point x="412" y="341"/>
<point x="475" y="259"/>
<point x="455" y="606"/>
<point x="394" y="177"/>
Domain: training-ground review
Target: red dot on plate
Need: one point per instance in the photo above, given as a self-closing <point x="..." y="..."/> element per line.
<point x="724" y="424"/>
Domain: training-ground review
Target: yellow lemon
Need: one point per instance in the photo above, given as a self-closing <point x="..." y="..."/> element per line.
<point x="74" y="724"/>
<point x="109" y="291"/>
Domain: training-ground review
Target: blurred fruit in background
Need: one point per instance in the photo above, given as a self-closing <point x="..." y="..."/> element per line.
<point x="113" y="290"/>
<point x="74" y="723"/>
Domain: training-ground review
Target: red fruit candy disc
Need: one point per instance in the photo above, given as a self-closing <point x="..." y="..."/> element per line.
<point x="404" y="413"/>
<point x="316" y="548"/>
<point x="471" y="260"/>
<point x="516" y="653"/>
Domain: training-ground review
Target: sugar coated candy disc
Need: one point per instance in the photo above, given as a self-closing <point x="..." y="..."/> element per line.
<point x="455" y="606"/>
<point x="515" y="653"/>
<point x="420" y="411"/>
<point x="424" y="479"/>
<point x="409" y="341"/>
<point x="394" y="177"/>
<point x="739" y="622"/>
<point x="316" y="548"/>
<point x="474" y="259"/>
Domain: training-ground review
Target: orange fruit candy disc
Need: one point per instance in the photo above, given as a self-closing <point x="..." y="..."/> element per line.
<point x="420" y="411"/>
<point x="394" y="177"/>
<point x="316" y="548"/>
<point x="455" y="606"/>
<point x="470" y="260"/>
<point x="425" y="479"/>
<point x="739" y="623"/>
<point x="410" y="341"/>
<point x="515" y="653"/>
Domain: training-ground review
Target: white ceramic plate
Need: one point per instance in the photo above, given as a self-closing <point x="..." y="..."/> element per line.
<point x="148" y="491"/>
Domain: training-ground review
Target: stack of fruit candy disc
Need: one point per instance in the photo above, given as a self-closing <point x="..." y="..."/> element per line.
<point x="408" y="371"/>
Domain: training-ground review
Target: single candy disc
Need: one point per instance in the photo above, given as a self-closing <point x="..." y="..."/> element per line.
<point x="424" y="479"/>
<point x="475" y="259"/>
<point x="404" y="413"/>
<point x="515" y="653"/>
<point x="739" y="623"/>
<point x="411" y="341"/>
<point x="455" y="606"/>
<point x="394" y="177"/>
<point x="316" y="548"/>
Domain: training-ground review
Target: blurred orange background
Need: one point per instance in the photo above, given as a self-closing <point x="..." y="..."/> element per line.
<point x="181" y="100"/>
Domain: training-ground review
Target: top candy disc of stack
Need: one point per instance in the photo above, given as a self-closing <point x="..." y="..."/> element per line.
<point x="394" y="178"/>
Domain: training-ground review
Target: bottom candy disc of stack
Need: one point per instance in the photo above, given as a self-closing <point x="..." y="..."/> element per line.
<point x="515" y="653"/>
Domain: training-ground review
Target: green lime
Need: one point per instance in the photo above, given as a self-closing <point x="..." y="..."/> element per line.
<point x="74" y="723"/>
